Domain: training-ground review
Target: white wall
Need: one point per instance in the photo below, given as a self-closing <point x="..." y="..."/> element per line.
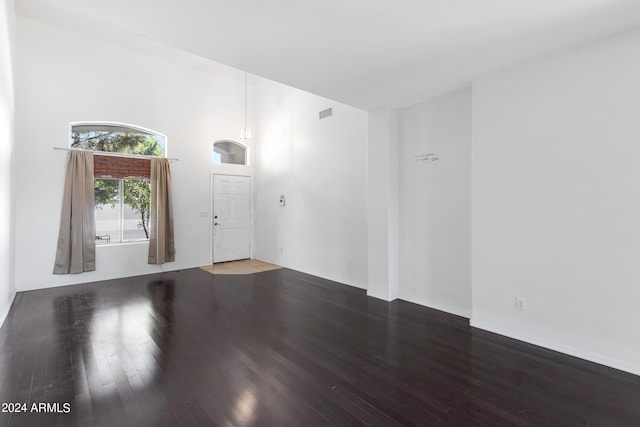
<point x="382" y="203"/>
<point x="321" y="168"/>
<point x="7" y="21"/>
<point x="556" y="202"/>
<point x="434" y="203"/>
<point x="65" y="76"/>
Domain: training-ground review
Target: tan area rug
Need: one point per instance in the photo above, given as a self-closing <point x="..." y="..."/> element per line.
<point x="245" y="266"/>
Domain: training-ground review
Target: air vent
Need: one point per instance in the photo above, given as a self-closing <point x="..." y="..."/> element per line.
<point x="325" y="113"/>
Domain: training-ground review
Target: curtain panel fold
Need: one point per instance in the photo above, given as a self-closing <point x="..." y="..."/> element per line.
<point x="161" y="240"/>
<point x="76" y="251"/>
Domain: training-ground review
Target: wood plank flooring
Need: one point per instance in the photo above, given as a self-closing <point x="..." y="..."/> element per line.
<point x="282" y="348"/>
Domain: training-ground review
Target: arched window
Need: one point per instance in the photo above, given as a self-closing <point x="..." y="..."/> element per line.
<point x="121" y="176"/>
<point x="229" y="152"/>
<point x="117" y="138"/>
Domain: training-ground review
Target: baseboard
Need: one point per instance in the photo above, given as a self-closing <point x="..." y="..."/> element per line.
<point x="561" y="348"/>
<point x="92" y="277"/>
<point x="304" y="270"/>
<point x="382" y="297"/>
<point x="6" y="311"/>
<point x="440" y="307"/>
<point x="447" y="309"/>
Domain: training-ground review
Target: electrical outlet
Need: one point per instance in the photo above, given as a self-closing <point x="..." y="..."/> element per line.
<point x="521" y="304"/>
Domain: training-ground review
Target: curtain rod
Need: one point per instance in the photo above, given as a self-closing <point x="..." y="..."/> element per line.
<point x="107" y="153"/>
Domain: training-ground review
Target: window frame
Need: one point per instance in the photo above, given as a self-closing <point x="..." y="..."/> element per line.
<point x="246" y="148"/>
<point x="121" y="209"/>
<point x="136" y="130"/>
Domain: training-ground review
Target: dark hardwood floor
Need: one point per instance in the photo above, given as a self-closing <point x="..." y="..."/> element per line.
<point x="281" y="348"/>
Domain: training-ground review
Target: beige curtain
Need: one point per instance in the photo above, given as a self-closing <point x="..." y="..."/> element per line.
<point x="161" y="244"/>
<point x="76" y="251"/>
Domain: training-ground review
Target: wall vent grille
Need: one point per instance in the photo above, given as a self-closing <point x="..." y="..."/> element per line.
<point x="326" y="113"/>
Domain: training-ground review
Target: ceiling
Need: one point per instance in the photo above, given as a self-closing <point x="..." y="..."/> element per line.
<point x="366" y="53"/>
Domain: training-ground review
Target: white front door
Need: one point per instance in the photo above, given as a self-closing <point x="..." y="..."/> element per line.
<point x="231" y="218"/>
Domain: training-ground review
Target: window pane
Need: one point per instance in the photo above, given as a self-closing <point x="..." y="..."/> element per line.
<point x="137" y="202"/>
<point x="229" y="152"/>
<point x="107" y="202"/>
<point x="117" y="139"/>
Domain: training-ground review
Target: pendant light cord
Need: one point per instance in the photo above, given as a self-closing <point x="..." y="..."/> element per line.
<point x="245" y="100"/>
<point x="245" y="133"/>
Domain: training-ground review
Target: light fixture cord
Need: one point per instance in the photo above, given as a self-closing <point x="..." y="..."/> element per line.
<point x="245" y="101"/>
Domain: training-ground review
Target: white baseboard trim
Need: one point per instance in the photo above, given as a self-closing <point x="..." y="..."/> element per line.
<point x="561" y="348"/>
<point x="447" y="309"/>
<point x="440" y="307"/>
<point x="93" y="276"/>
<point x="382" y="297"/>
<point x="6" y="311"/>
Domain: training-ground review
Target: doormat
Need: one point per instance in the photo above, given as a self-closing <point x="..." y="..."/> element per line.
<point x="245" y="266"/>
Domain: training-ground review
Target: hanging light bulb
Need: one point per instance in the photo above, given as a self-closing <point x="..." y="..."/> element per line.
<point x="245" y="132"/>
